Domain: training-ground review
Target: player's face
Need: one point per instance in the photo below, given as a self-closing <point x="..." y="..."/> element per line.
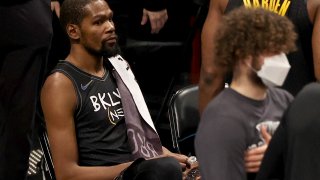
<point x="97" y="30"/>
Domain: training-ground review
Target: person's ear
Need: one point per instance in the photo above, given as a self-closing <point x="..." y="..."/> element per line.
<point x="73" y="31"/>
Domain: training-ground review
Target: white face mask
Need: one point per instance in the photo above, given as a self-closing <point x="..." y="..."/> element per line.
<point x="274" y="70"/>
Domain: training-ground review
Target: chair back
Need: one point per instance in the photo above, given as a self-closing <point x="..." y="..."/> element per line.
<point x="184" y="118"/>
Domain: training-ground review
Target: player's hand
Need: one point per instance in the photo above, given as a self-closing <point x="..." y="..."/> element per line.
<point x="180" y="157"/>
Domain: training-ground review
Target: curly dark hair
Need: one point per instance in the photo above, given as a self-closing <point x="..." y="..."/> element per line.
<point x="248" y="32"/>
<point x="73" y="12"/>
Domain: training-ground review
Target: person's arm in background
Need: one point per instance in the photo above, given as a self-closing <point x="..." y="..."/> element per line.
<point x="58" y="101"/>
<point x="211" y="75"/>
<point x="314" y="14"/>
<point x="156" y="12"/>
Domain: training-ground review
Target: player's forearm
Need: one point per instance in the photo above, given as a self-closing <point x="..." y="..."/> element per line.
<point x="316" y="50"/>
<point x="76" y="172"/>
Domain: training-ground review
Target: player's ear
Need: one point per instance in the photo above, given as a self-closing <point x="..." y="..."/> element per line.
<point x="73" y="31"/>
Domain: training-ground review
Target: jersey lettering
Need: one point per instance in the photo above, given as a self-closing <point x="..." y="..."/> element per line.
<point x="105" y="100"/>
<point x="115" y="115"/>
<point x="275" y="6"/>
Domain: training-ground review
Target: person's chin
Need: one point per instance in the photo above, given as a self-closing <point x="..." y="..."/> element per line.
<point x="112" y="44"/>
<point x="110" y="53"/>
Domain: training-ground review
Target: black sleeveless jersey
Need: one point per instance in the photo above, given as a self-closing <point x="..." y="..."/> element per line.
<point x="99" y="118"/>
<point x="301" y="61"/>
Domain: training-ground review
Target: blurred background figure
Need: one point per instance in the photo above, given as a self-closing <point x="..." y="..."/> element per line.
<point x="25" y="38"/>
<point x="250" y="43"/>
<point x="293" y="152"/>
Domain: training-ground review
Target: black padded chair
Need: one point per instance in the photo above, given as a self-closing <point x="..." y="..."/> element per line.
<point x="184" y="118"/>
<point x="46" y="164"/>
<point x="183" y="62"/>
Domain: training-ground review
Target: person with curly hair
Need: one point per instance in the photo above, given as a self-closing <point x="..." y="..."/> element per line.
<point x="305" y="61"/>
<point x="252" y="43"/>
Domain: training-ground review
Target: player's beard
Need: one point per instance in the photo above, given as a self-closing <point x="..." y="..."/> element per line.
<point x="109" y="51"/>
<point x="106" y="50"/>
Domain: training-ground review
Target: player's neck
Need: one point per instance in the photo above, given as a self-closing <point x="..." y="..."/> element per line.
<point x="87" y="62"/>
